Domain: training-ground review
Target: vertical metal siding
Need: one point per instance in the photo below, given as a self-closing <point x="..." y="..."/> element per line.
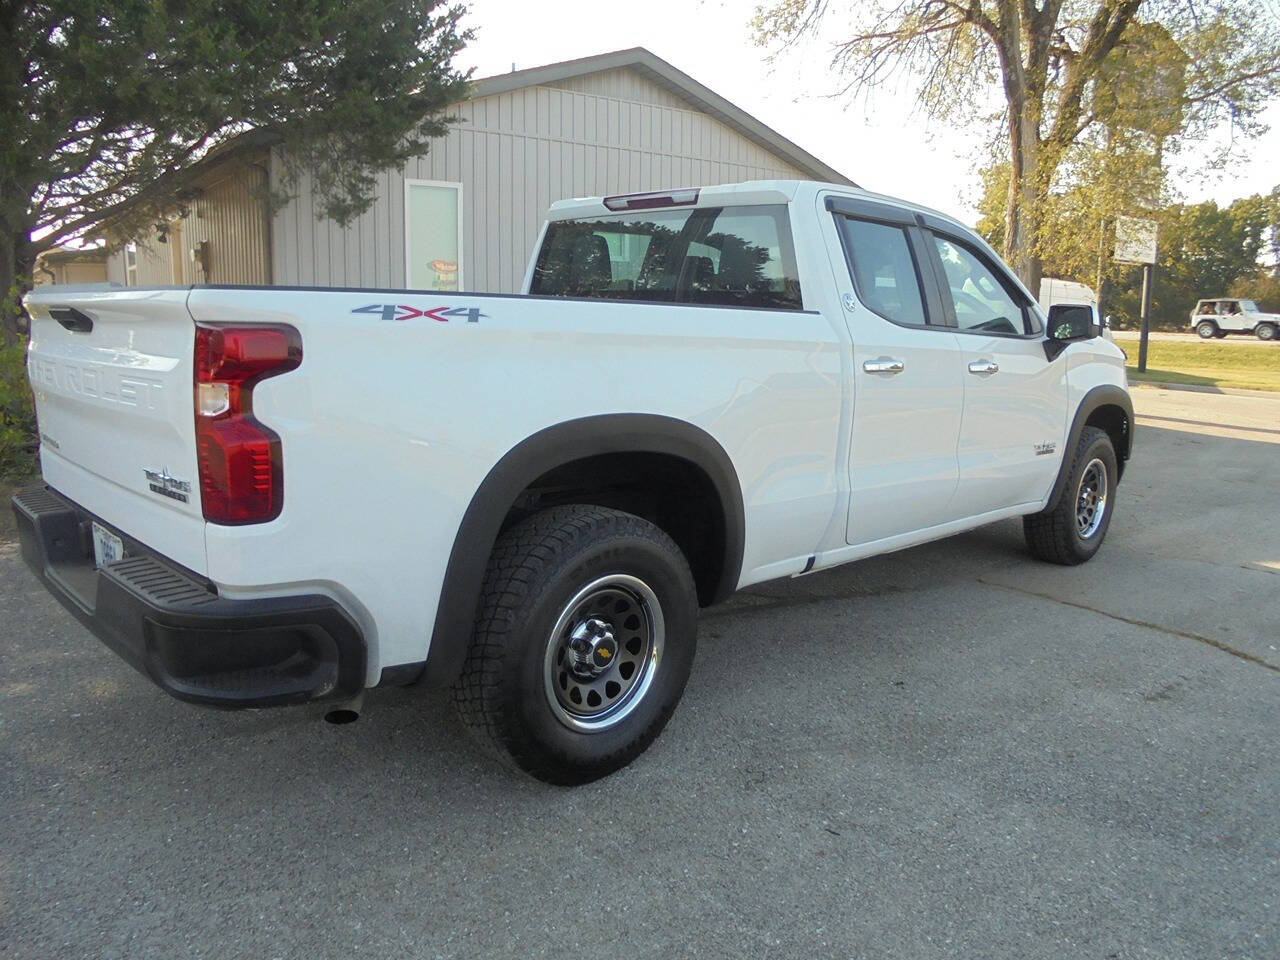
<point x="515" y="153"/>
<point x="155" y="263"/>
<point x="624" y="84"/>
<point x="115" y="267"/>
<point x="230" y="215"/>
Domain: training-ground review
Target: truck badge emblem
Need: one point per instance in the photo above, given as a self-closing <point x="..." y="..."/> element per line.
<point x="1044" y="449"/>
<point x="399" y="313"/>
<point x="167" y="485"/>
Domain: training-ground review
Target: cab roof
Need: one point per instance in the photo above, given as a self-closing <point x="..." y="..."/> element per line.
<point x="725" y="194"/>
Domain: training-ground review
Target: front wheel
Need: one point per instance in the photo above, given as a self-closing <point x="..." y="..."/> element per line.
<point x="1265" y="331"/>
<point x="1072" y="530"/>
<point x="1207" y="329"/>
<point x="583" y="644"/>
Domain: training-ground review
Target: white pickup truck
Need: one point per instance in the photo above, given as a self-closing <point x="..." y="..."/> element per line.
<point x="263" y="496"/>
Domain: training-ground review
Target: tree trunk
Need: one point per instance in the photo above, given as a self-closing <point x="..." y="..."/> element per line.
<point x="16" y="264"/>
<point x="1275" y="246"/>
<point x="8" y="289"/>
<point x="1023" y="210"/>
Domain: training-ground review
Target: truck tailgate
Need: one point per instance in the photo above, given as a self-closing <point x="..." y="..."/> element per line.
<point x="112" y="372"/>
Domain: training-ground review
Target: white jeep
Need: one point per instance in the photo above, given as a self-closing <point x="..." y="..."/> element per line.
<point x="1223" y="315"/>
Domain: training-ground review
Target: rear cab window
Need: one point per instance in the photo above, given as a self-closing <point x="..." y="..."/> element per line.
<point x="740" y="256"/>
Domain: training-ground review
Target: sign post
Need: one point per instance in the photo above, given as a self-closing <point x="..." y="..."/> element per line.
<point x="1136" y="243"/>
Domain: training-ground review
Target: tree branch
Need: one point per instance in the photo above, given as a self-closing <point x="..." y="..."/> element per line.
<point x="1108" y="25"/>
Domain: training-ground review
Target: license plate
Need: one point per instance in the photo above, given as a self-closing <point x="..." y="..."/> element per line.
<point x="107" y="547"/>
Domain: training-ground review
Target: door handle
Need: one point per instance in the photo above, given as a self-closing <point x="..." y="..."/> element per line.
<point x="72" y="319"/>
<point x="883" y="365"/>
<point x="984" y="366"/>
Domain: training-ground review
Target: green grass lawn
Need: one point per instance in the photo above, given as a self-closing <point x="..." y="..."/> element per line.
<point x="1207" y="363"/>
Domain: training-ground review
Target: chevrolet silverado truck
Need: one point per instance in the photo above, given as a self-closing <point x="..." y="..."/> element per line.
<point x="265" y="495"/>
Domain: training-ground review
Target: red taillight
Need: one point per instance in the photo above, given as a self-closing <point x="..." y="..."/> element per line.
<point x="241" y="476"/>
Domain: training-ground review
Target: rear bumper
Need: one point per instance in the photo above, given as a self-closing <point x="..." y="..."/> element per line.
<point x="172" y="626"/>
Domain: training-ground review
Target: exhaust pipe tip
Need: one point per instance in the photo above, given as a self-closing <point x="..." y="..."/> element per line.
<point x="348" y="712"/>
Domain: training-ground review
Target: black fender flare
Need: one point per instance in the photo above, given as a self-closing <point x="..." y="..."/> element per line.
<point x="534" y="456"/>
<point x="1104" y="395"/>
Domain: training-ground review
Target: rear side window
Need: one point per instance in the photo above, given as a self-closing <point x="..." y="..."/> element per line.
<point x="884" y="270"/>
<point x="725" y="256"/>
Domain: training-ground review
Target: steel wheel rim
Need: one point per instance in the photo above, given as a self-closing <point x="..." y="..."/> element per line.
<point x="587" y="692"/>
<point x="1091" y="499"/>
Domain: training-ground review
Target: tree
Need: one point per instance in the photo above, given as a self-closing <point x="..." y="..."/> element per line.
<point x="1067" y="71"/>
<point x="1272" y="208"/>
<point x="1263" y="288"/>
<point x="1077" y="217"/>
<point x="106" y="104"/>
<point x="1205" y="250"/>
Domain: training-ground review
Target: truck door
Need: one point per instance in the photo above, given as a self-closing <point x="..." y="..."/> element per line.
<point x="907" y="381"/>
<point x="1015" y="399"/>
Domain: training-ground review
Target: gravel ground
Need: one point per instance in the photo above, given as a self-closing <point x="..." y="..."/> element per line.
<point x="951" y="751"/>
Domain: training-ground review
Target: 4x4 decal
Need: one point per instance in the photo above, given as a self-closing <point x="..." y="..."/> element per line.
<point x="399" y="312"/>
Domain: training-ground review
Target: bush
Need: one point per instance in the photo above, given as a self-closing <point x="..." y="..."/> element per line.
<point x="17" y="416"/>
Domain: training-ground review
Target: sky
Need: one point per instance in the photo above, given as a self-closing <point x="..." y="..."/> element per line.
<point x="884" y="145"/>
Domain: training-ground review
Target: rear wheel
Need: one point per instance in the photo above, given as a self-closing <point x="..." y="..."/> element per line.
<point x="1072" y="530"/>
<point x="1207" y="329"/>
<point x="583" y="644"/>
<point x="1265" y="331"/>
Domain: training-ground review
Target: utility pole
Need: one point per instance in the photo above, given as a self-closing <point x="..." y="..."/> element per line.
<point x="1148" y="276"/>
<point x="1137" y="242"/>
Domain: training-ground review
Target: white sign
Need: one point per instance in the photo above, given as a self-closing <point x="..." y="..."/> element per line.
<point x="1135" y="240"/>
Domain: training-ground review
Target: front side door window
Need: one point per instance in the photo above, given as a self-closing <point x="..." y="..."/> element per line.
<point x="982" y="302"/>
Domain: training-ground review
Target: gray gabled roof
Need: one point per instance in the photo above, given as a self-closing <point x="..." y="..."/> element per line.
<point x="680" y="83"/>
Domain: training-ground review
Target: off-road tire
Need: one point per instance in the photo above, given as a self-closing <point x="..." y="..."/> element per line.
<point x="536" y="569"/>
<point x="1054" y="534"/>
<point x="1265" y="331"/>
<point x="1206" y="329"/>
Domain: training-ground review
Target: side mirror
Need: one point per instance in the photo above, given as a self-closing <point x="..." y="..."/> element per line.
<point x="1070" y="323"/>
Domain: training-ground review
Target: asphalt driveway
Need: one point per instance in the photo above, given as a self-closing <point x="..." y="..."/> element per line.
<point x="951" y="751"/>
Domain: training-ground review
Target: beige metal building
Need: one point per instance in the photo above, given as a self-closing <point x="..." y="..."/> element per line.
<point x="466" y="214"/>
<point x="219" y="233"/>
<point x="71" y="265"/>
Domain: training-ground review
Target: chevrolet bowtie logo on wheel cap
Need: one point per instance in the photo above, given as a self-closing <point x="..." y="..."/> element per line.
<point x="603" y="653"/>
